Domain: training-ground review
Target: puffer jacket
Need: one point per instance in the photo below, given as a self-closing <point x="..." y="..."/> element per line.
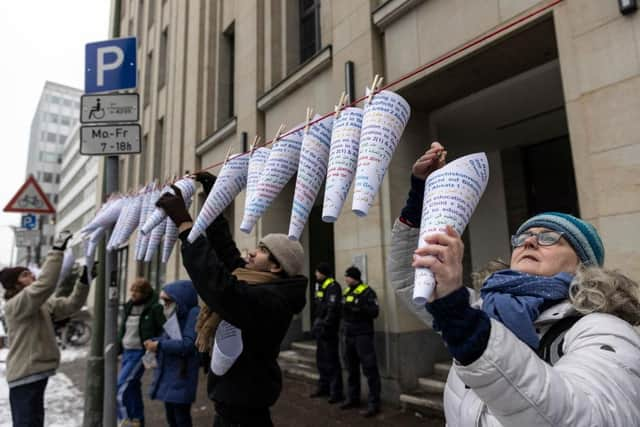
<point x="596" y="382"/>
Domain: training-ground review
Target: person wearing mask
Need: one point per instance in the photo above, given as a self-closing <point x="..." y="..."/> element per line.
<point x="30" y="311"/>
<point x="359" y="309"/>
<point x="175" y="378"/>
<point x="550" y="339"/>
<point x="326" y="325"/>
<point x="142" y="320"/>
<point x="259" y="296"/>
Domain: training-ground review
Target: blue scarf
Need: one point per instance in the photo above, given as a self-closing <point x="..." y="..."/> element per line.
<point x="515" y="300"/>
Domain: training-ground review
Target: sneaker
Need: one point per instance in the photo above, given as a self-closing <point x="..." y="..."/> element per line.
<point x="350" y="405"/>
<point x="318" y="394"/>
<point x="371" y="411"/>
<point x="335" y="399"/>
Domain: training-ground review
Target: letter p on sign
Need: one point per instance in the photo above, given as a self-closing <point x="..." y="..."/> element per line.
<point x="110" y="65"/>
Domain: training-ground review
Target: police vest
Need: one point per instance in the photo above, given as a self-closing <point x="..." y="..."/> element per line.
<point x="325" y="285"/>
<point x="350" y="295"/>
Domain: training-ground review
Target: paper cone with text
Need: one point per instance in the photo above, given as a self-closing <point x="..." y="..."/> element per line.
<point x="343" y="159"/>
<point x="230" y="182"/>
<point x="187" y="187"/>
<point x="154" y="240"/>
<point x="111" y="244"/>
<point x="256" y="165"/>
<point x="170" y="237"/>
<point x="451" y="194"/>
<point x="107" y="216"/>
<point x="144" y="238"/>
<point x="131" y="220"/>
<point x="384" y="120"/>
<point x="280" y="167"/>
<point x="312" y="170"/>
<point x="227" y="347"/>
<point x="68" y="260"/>
<point x="91" y="246"/>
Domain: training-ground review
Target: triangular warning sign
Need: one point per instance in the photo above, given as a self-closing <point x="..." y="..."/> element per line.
<point x="30" y="199"/>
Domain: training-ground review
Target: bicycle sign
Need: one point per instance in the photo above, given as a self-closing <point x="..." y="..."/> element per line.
<point x="30" y="199"/>
<point x="113" y="108"/>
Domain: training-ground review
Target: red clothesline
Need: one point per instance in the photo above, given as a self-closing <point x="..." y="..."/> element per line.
<point x="413" y="73"/>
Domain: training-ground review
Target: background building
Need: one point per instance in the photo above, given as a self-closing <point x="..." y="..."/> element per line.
<point x="552" y="100"/>
<point x="55" y="117"/>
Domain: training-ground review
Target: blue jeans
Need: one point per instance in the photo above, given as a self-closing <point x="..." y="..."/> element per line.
<point x="129" y="395"/>
<point x="27" y="404"/>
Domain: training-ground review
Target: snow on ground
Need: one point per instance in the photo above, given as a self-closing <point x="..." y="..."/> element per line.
<point x="64" y="403"/>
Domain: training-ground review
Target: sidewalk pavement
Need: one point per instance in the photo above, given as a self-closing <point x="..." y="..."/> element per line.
<point x="294" y="408"/>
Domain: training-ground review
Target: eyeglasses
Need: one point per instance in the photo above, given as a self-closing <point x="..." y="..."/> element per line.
<point x="544" y="238"/>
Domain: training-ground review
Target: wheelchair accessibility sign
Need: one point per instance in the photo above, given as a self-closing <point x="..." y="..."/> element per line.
<point x="115" y="108"/>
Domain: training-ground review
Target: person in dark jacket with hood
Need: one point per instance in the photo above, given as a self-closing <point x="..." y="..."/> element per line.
<point x="143" y="320"/>
<point x="259" y="296"/>
<point x="175" y="379"/>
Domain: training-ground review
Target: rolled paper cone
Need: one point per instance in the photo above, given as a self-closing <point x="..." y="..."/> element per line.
<point x="231" y="181"/>
<point x="154" y="240"/>
<point x="111" y="245"/>
<point x="90" y="247"/>
<point x="312" y="169"/>
<point x="343" y="159"/>
<point x="67" y="263"/>
<point x="256" y="166"/>
<point x="451" y="195"/>
<point x="131" y="220"/>
<point x="280" y="167"/>
<point x="187" y="188"/>
<point x="383" y="122"/>
<point x="227" y="347"/>
<point x="170" y="237"/>
<point x="144" y="238"/>
<point x="146" y="199"/>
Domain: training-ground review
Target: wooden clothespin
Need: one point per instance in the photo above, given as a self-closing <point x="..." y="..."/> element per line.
<point x="309" y="114"/>
<point x="226" y="157"/>
<point x="254" y="144"/>
<point x="340" y="105"/>
<point x="278" y="133"/>
<point x="377" y="81"/>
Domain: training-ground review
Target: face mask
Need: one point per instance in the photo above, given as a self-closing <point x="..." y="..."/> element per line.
<point x="169" y="309"/>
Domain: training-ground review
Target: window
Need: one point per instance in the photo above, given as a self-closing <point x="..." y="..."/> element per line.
<point x="54" y="99"/>
<point x="226" y="76"/>
<point x="48" y="157"/>
<point x="65" y="121"/>
<point x="51" y="137"/>
<point x="309" y="28"/>
<point x="139" y="19"/>
<point x="47" y="177"/>
<point x="62" y="139"/>
<point x="152" y="13"/>
<point x="76" y="105"/>
<point x="142" y="160"/>
<point x="147" y="79"/>
<point x="162" y="62"/>
<point x="66" y="102"/>
<point x="57" y="178"/>
<point x="158" y="149"/>
<point x="53" y="118"/>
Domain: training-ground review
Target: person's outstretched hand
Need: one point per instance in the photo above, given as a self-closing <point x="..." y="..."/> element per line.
<point x="62" y="240"/>
<point x="207" y="180"/>
<point x="173" y="205"/>
<point x="433" y="159"/>
<point x="443" y="256"/>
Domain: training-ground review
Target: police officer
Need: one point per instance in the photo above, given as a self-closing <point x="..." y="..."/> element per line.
<point x="328" y="299"/>
<point x="359" y="308"/>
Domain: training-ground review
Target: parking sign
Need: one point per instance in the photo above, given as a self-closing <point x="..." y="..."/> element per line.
<point x="110" y="65"/>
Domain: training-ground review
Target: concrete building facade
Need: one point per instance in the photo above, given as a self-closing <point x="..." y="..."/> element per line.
<point x="55" y="117"/>
<point x="551" y="99"/>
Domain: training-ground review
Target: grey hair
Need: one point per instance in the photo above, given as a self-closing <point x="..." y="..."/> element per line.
<point x="596" y="290"/>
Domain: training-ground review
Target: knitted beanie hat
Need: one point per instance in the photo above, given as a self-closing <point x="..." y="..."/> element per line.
<point x="9" y="276"/>
<point x="581" y="235"/>
<point x="324" y="268"/>
<point x="354" y="273"/>
<point x="288" y="253"/>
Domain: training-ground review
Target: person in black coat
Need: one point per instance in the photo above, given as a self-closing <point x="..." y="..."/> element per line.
<point x="262" y="311"/>
<point x="359" y="308"/>
<point x="328" y="299"/>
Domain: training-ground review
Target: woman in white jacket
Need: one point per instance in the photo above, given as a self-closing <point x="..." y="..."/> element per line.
<point x="590" y="375"/>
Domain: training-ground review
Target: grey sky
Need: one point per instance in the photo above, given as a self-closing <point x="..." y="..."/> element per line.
<point x="39" y="40"/>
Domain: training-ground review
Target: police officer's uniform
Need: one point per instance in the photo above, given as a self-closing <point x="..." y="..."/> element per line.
<point x="326" y="331"/>
<point x="359" y="308"/>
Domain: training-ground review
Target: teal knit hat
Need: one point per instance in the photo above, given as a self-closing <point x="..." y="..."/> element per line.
<point x="581" y="235"/>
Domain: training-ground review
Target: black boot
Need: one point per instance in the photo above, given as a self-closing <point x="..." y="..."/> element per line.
<point x="372" y="411"/>
<point x="318" y="393"/>
<point x="350" y="404"/>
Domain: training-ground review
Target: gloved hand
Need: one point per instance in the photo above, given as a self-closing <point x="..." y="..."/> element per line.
<point x="207" y="180"/>
<point x="61" y="241"/>
<point x="85" y="278"/>
<point x="173" y="205"/>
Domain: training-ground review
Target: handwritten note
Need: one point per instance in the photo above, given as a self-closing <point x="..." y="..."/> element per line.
<point x="141" y="249"/>
<point x="172" y="327"/>
<point x="312" y="169"/>
<point x="231" y="181"/>
<point x="154" y="240"/>
<point x="256" y="166"/>
<point x="343" y="159"/>
<point x="384" y="120"/>
<point x="187" y="187"/>
<point x="227" y="347"/>
<point x="280" y="167"/>
<point x="451" y="195"/>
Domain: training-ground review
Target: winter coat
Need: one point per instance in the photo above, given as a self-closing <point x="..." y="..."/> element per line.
<point x="359" y="310"/>
<point x="151" y="320"/>
<point x="596" y="381"/>
<point x="263" y="312"/>
<point x="328" y="299"/>
<point x="175" y="379"/>
<point x="30" y="315"/>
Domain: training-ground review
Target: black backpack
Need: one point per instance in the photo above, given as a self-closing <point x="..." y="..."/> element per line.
<point x="550" y="348"/>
